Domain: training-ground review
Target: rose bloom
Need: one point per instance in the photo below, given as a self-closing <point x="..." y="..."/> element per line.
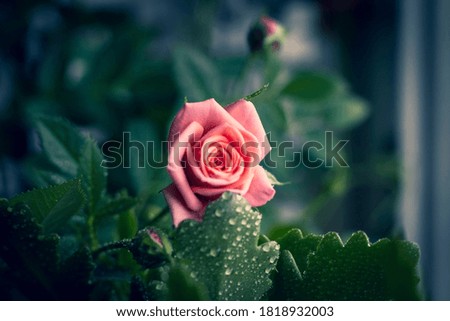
<point x="213" y="150"/>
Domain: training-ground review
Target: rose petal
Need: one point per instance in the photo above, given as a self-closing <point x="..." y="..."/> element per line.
<point x="176" y="169"/>
<point x="178" y="208"/>
<point x="245" y="113"/>
<point x="260" y="190"/>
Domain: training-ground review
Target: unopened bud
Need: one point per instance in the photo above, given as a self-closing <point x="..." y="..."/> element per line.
<point x="150" y="247"/>
<point x="266" y="34"/>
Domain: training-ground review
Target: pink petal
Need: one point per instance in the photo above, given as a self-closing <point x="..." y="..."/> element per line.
<point x="178" y="208"/>
<point x="245" y="113"/>
<point x="209" y="114"/>
<point x="260" y="190"/>
<point x="175" y="166"/>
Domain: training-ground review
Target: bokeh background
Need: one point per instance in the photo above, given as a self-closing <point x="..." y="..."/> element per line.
<point x="376" y="73"/>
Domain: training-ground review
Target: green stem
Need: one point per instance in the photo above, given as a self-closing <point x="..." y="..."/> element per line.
<point x="122" y="244"/>
<point x="91" y="231"/>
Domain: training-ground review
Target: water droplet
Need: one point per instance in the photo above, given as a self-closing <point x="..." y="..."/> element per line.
<point x="239" y="229"/>
<point x="213" y="252"/>
<point x="268" y="270"/>
<point x="244" y="222"/>
<point x="159" y="286"/>
<point x="228" y="271"/>
<point x="218" y="213"/>
<point x="230" y="257"/>
<point x="193" y="275"/>
<point x="238" y="238"/>
<point x="255" y="233"/>
<point x="257" y="223"/>
<point x="277" y="246"/>
<point x="232" y="221"/>
<point x="239" y="209"/>
<point x="272" y="259"/>
<point x="266" y="247"/>
<point x="225" y="236"/>
<point x="9" y="209"/>
<point x="248" y="208"/>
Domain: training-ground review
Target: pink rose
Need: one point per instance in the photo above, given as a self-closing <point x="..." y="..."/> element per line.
<point x="212" y="150"/>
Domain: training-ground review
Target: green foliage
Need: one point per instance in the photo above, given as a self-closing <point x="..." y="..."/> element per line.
<point x="181" y="286"/>
<point x="33" y="264"/>
<point x="222" y="251"/>
<point x="61" y="144"/>
<point x="196" y="75"/>
<point x="322" y="100"/>
<point x="323" y="268"/>
<point x="53" y="206"/>
<point x="93" y="174"/>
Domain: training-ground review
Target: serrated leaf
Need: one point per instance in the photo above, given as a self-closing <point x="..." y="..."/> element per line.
<point x="358" y="270"/>
<point x="61" y="143"/>
<point x="222" y="251"/>
<point x="299" y="246"/>
<point x="54" y="205"/>
<point x="31" y="257"/>
<point x="93" y="174"/>
<point x="288" y="279"/>
<point x="196" y="75"/>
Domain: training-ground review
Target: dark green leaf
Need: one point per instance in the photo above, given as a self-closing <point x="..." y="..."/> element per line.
<point x="75" y="276"/>
<point x="61" y="143"/>
<point x="312" y="86"/>
<point x="31" y="257"/>
<point x="358" y="270"/>
<point x="54" y="205"/>
<point x="222" y="251"/>
<point x="182" y="287"/>
<point x="117" y="206"/>
<point x="93" y="174"/>
<point x="196" y="75"/>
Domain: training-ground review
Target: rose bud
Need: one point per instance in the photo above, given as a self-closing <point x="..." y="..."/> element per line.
<point x="150" y="247"/>
<point x="266" y="34"/>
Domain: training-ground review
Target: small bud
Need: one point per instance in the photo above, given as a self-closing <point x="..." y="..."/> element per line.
<point x="266" y="34"/>
<point x="150" y="247"/>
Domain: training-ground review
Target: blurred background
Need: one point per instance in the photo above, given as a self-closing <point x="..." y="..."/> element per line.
<point x="375" y="73"/>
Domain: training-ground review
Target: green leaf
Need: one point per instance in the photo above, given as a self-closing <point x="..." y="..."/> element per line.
<point x="257" y="93"/>
<point x="288" y="280"/>
<point x="182" y="287"/>
<point x="31" y="257"/>
<point x="54" y="205"/>
<point x="93" y="174"/>
<point x="75" y="272"/>
<point x="222" y="251"/>
<point x="61" y="143"/>
<point x="300" y="246"/>
<point x="196" y="75"/>
<point x="347" y="112"/>
<point x="117" y="206"/>
<point x="312" y="86"/>
<point x="358" y="270"/>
